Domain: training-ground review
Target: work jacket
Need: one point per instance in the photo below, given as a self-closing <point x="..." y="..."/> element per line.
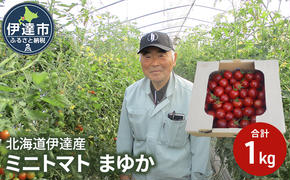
<point x="145" y="128"/>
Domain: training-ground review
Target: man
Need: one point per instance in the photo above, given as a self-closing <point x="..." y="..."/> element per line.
<point x="153" y="117"/>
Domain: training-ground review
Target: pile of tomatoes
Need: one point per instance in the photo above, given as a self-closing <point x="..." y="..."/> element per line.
<point x="235" y="98"/>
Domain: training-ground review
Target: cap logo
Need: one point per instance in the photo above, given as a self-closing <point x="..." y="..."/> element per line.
<point x="152" y="37"/>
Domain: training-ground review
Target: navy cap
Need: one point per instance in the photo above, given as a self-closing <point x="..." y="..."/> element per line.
<point x="156" y="39"/>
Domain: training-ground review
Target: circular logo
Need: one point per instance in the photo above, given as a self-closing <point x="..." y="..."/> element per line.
<point x="27" y="28"/>
<point x="260" y="149"/>
<point x="152" y="37"/>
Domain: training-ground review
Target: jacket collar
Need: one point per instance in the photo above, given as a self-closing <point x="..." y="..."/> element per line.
<point x="170" y="89"/>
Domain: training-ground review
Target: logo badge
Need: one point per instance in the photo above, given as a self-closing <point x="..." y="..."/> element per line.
<point x="27" y="28"/>
<point x="152" y="37"/>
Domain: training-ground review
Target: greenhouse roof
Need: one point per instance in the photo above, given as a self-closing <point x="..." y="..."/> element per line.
<point x="174" y="17"/>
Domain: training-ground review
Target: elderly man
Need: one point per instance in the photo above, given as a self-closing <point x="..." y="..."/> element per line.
<point x="154" y="115"/>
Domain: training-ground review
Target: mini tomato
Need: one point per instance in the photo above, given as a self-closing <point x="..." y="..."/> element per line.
<point x="252" y="92"/>
<point x="223" y="82"/>
<point x="220" y="113"/>
<point x="234" y="94"/>
<point x="229" y="116"/>
<point x="217" y="77"/>
<point x="228" y="89"/>
<point x="249" y="76"/>
<point x="260" y="111"/>
<point x="2" y="172"/>
<point x="212" y="85"/>
<point x="258" y="103"/>
<point x="248" y="111"/>
<point x="22" y="176"/>
<point x="224" y="98"/>
<point x="221" y="123"/>
<point x="244" y="123"/>
<point x="218" y="91"/>
<point x="238" y="75"/>
<point x="233" y="124"/>
<point x="228" y="74"/>
<point x="243" y="93"/>
<point x="30" y="175"/>
<point x="238" y="113"/>
<point x="248" y="101"/>
<point x="228" y="106"/>
<point x="4" y="135"/>
<point x="254" y="84"/>
<point x="237" y="103"/>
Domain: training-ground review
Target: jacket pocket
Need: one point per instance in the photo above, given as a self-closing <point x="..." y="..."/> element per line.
<point x="137" y="120"/>
<point x="173" y="133"/>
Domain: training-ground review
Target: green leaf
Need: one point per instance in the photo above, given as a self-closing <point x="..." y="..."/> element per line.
<point x="34" y="114"/>
<point x="53" y="102"/>
<point x="39" y="78"/>
<point x="3" y="105"/>
<point x="7" y="89"/>
<point x="84" y="2"/>
<point x="63" y="99"/>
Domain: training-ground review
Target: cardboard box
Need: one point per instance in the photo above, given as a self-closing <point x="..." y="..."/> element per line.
<point x="199" y="123"/>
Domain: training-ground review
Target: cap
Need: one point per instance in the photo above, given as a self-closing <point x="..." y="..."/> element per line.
<point x="156" y="39"/>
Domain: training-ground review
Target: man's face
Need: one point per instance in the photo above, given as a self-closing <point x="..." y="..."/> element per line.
<point x="157" y="64"/>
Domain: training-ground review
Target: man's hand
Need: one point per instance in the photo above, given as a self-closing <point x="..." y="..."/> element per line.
<point x="125" y="177"/>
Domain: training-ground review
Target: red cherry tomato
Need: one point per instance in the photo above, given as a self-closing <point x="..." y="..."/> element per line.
<point x="217" y="105"/>
<point x="249" y="76"/>
<point x="261" y="95"/>
<point x="244" y="123"/>
<point x="218" y="91"/>
<point x="2" y="172"/>
<point x="232" y="81"/>
<point x="259" y="76"/>
<point x="228" y="106"/>
<point x="211" y="112"/>
<point x="223" y="82"/>
<point x="249" y="111"/>
<point x="221" y="123"/>
<point x="232" y="124"/>
<point x="228" y="74"/>
<point x="4" y="135"/>
<point x="238" y="113"/>
<point x="224" y="98"/>
<point x="248" y="101"/>
<point x="210" y="98"/>
<point x="22" y="176"/>
<point x="212" y="85"/>
<point x="220" y="113"/>
<point x="234" y="94"/>
<point x="228" y="89"/>
<point x="252" y="92"/>
<point x="229" y="116"/>
<point x="245" y="84"/>
<point x="237" y="85"/>
<point x="260" y="111"/>
<point x="254" y="84"/>
<point x="243" y="93"/>
<point x="258" y="103"/>
<point x="217" y="77"/>
<point x="253" y="119"/>
<point x="237" y="103"/>
<point x="238" y="75"/>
